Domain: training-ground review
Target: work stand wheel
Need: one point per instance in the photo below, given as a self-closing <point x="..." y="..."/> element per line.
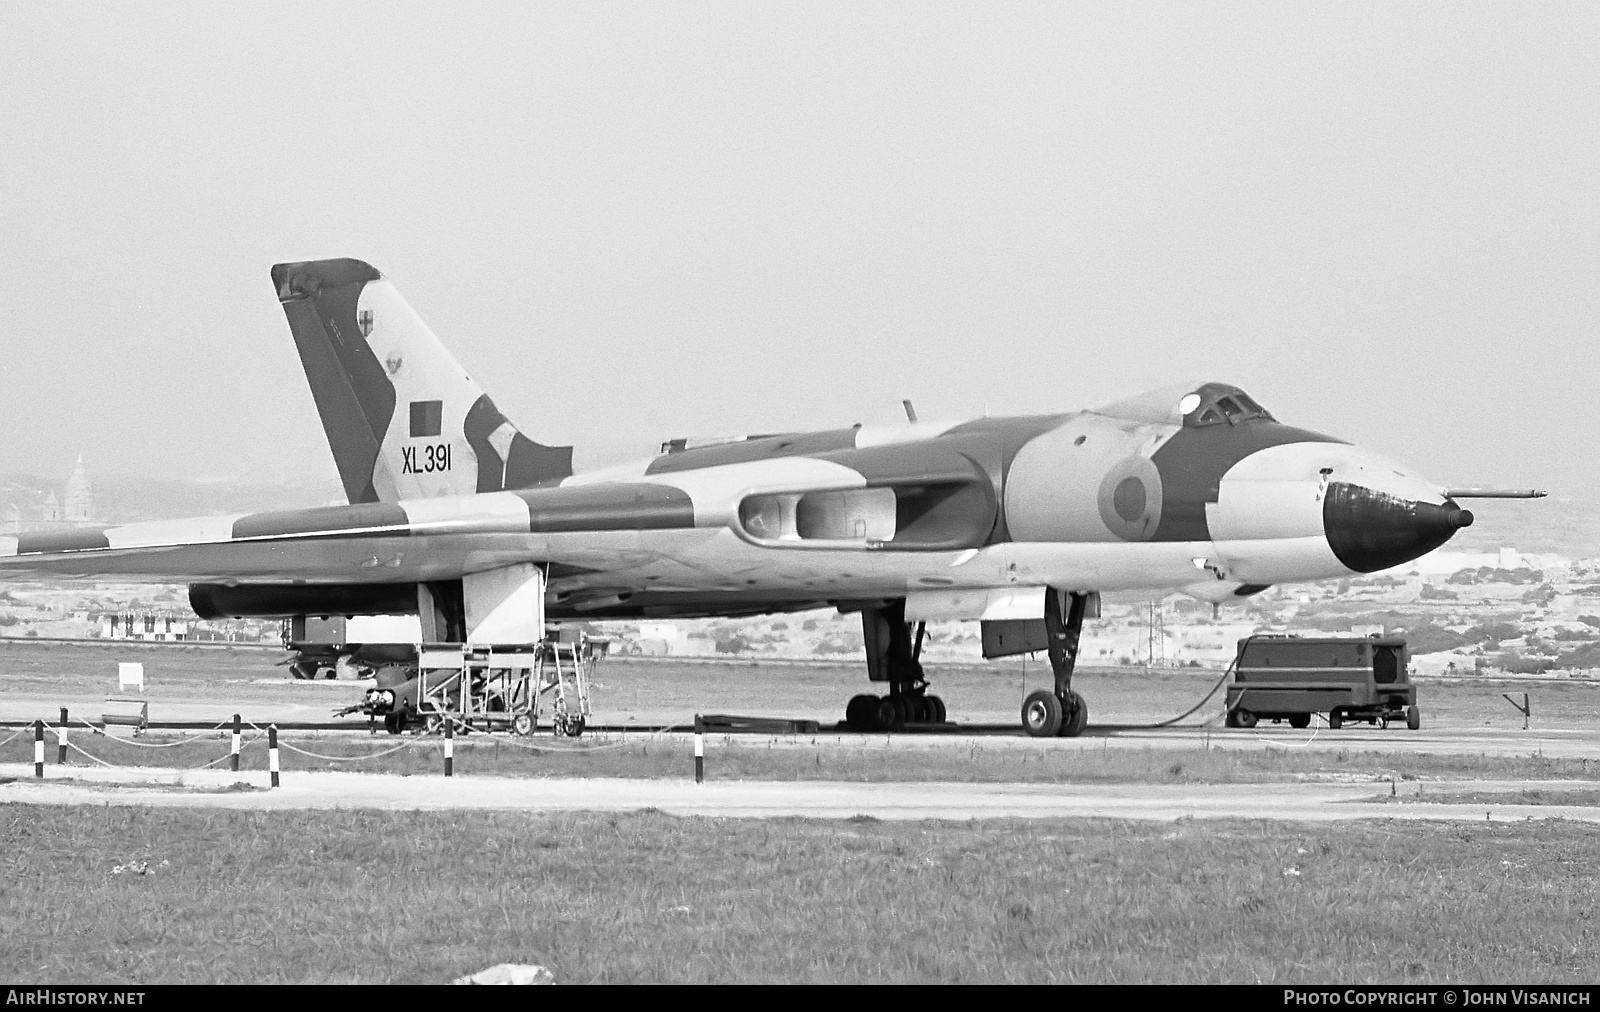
<point x="522" y="724"/>
<point x="1042" y="714"/>
<point x="570" y="726"/>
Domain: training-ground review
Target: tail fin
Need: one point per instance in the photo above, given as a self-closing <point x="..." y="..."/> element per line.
<point x="404" y="420"/>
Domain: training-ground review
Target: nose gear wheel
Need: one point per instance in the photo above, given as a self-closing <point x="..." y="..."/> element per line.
<point x="1059" y="712"/>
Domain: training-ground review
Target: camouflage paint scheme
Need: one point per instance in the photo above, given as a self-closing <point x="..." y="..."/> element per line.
<point x="1192" y="488"/>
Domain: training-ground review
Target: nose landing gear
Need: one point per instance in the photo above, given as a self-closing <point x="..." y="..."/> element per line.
<point x="1059" y="712"/>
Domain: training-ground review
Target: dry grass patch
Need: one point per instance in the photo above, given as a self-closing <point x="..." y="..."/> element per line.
<point x="1584" y="797"/>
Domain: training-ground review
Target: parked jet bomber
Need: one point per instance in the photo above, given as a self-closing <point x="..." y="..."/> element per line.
<point x="1018" y="523"/>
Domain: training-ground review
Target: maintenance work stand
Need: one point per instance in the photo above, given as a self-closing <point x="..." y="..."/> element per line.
<point x="503" y="688"/>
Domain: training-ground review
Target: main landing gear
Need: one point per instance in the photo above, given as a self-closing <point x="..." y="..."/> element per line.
<point x="893" y="656"/>
<point x="1059" y="712"/>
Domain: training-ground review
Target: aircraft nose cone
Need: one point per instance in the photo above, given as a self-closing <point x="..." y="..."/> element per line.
<point x="1370" y="530"/>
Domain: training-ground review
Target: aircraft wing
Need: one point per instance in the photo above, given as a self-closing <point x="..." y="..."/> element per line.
<point x="409" y="541"/>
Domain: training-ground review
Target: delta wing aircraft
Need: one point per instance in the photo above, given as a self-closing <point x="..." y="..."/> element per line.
<point x="1018" y="523"/>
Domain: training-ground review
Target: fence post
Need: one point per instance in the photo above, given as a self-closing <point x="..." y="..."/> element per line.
<point x="38" y="749"/>
<point x="272" y="752"/>
<point x="233" y="758"/>
<point x="61" y="739"/>
<point x="449" y="747"/>
<point x="699" y="750"/>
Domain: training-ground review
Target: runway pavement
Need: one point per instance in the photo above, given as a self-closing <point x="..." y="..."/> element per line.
<point x="1311" y="802"/>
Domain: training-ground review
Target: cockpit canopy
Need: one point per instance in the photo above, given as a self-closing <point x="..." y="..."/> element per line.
<point x="1219" y="404"/>
<point x="1193" y="405"/>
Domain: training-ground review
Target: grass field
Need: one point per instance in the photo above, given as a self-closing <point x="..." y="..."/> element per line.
<point x="808" y="758"/>
<point x="422" y="898"/>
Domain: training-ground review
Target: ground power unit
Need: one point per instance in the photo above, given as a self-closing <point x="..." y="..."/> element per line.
<point x="1349" y="678"/>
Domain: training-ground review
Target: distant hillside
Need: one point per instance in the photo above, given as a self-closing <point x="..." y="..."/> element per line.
<point x="1566" y="526"/>
<point x="129" y="498"/>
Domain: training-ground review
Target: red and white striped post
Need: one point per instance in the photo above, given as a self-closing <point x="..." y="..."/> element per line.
<point x="61" y="739"/>
<point x="38" y="749"/>
<point x="233" y="757"/>
<point x="449" y="747"/>
<point x="699" y="751"/>
<point x="272" y="752"/>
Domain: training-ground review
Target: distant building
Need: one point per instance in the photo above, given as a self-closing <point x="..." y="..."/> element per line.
<point x="77" y="496"/>
<point x="161" y="627"/>
<point x="74" y="505"/>
<point x="658" y="638"/>
<point x="1442" y="563"/>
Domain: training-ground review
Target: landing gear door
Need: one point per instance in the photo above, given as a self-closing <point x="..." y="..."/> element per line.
<point x="1009" y="637"/>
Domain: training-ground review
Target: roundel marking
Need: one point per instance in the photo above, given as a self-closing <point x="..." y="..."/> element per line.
<point x="1130" y="499"/>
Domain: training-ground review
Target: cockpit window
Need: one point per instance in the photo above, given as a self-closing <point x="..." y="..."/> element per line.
<point x="1219" y="403"/>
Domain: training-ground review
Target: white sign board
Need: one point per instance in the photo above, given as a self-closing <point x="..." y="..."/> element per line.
<point x="130" y="676"/>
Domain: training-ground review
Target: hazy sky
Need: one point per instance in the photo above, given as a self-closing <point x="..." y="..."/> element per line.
<point x="638" y="221"/>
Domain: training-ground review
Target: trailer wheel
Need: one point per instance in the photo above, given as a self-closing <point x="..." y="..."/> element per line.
<point x="1299" y="720"/>
<point x="1244" y="718"/>
<point x="1413" y="717"/>
<point x="1335" y="720"/>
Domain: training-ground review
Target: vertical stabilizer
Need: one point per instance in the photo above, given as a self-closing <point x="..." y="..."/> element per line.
<point x="403" y="419"/>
